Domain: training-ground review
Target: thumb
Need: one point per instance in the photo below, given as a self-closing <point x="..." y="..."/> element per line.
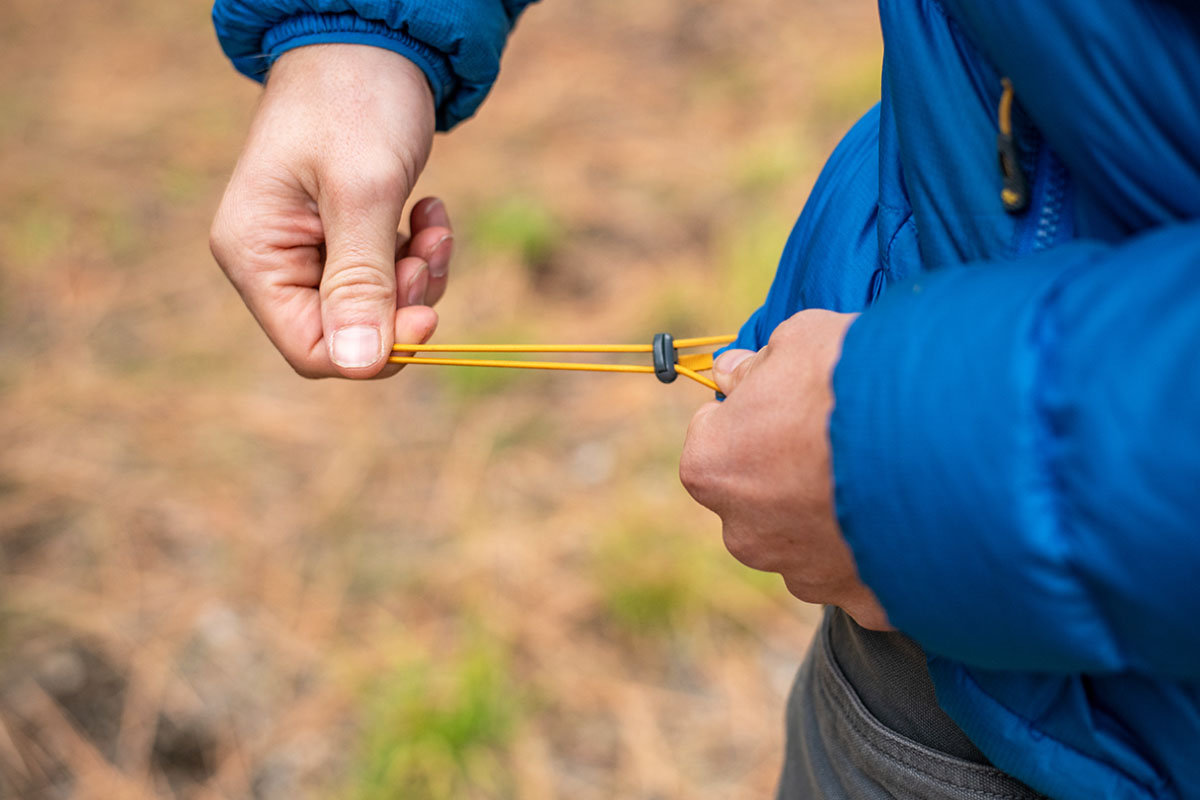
<point x="731" y="367"/>
<point x="358" y="285"/>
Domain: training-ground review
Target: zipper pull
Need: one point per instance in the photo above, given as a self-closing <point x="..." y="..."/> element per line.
<point x="1015" y="193"/>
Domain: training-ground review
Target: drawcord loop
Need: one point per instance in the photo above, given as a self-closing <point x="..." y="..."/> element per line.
<point x="668" y="361"/>
<point x="1015" y="194"/>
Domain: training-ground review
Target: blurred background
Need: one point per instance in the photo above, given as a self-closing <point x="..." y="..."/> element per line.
<point x="218" y="580"/>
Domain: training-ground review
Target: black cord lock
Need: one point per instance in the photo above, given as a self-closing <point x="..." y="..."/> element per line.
<point x="665" y="357"/>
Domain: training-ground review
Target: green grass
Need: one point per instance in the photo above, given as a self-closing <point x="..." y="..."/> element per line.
<point x="747" y="252"/>
<point x="655" y="579"/>
<point x="720" y="83"/>
<point x="17" y="109"/>
<point x="742" y="259"/>
<point x="848" y="92"/>
<point x="471" y="384"/>
<point x="770" y="162"/>
<point x="35" y="235"/>
<point x="521" y="226"/>
<point x="180" y="184"/>
<point x="650" y="580"/>
<point x="476" y="383"/>
<point x="679" y="307"/>
<point x="123" y="237"/>
<point x="436" y="732"/>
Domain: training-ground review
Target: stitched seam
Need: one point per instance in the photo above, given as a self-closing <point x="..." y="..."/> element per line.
<point x="886" y="261"/>
<point x="906" y="210"/>
<point x="953" y="23"/>
<point x="867" y="736"/>
<point x="1046" y="337"/>
<point x="349" y="23"/>
<point x="839" y="681"/>
<point x="1154" y="791"/>
<point x="832" y="681"/>
<point x="1045" y="341"/>
<point x="871" y="733"/>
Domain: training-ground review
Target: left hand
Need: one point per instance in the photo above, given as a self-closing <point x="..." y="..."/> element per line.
<point x="307" y="230"/>
<point x="761" y="461"/>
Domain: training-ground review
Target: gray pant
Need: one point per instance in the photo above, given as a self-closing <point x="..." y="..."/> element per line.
<point x="838" y="750"/>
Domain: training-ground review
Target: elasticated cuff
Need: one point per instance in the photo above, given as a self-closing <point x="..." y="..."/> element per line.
<point x="457" y="45"/>
<point x="310" y="29"/>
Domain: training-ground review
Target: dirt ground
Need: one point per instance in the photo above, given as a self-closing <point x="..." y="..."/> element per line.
<point x="218" y="580"/>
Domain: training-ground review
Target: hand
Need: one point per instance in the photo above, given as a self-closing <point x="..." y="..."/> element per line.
<point x="307" y="230"/>
<point x="761" y="461"/>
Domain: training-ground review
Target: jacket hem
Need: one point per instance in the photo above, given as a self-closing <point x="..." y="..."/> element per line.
<point x="1007" y="738"/>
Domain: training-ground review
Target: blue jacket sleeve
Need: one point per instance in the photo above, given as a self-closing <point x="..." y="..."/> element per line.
<point x="456" y="43"/>
<point x="1016" y="453"/>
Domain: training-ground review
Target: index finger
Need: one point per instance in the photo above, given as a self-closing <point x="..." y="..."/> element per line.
<point x="700" y="460"/>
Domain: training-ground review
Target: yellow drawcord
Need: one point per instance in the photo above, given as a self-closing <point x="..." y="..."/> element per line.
<point x="680" y="344"/>
<point x="689" y="365"/>
<point x="1015" y="192"/>
<point x="1006" y="104"/>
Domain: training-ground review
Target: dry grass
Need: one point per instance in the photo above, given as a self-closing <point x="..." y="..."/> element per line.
<point x="220" y="581"/>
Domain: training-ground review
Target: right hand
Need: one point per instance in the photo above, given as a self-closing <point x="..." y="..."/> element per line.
<point x="307" y="229"/>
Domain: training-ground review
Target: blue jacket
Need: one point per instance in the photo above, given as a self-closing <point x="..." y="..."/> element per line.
<point x="1016" y="439"/>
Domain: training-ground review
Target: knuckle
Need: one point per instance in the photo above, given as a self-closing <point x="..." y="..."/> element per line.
<point x="220" y="239"/>
<point x="304" y="361"/>
<point x="801" y="325"/>
<point x="698" y="475"/>
<point x="305" y="371"/>
<point x="357" y="284"/>
<point x="689" y="470"/>
<point x="216" y="241"/>
<point x="233" y="244"/>
<point x="693" y="468"/>
<point x="745" y="544"/>
<point x="787" y="330"/>
<point x="377" y="180"/>
<point x="739" y="544"/>
<point x="801" y="590"/>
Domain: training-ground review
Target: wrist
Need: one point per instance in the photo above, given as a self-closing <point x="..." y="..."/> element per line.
<point x="344" y="109"/>
<point x="353" y="63"/>
<point x="310" y="29"/>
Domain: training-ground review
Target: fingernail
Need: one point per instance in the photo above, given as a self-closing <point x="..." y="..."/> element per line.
<point x="728" y="362"/>
<point x="439" y="266"/>
<point x="435" y="210"/>
<point x="356" y="346"/>
<point x="417" y="285"/>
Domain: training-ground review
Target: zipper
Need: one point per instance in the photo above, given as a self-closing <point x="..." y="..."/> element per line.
<point x="1048" y="194"/>
<point x="1053" y="199"/>
<point x="1051" y="225"/>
